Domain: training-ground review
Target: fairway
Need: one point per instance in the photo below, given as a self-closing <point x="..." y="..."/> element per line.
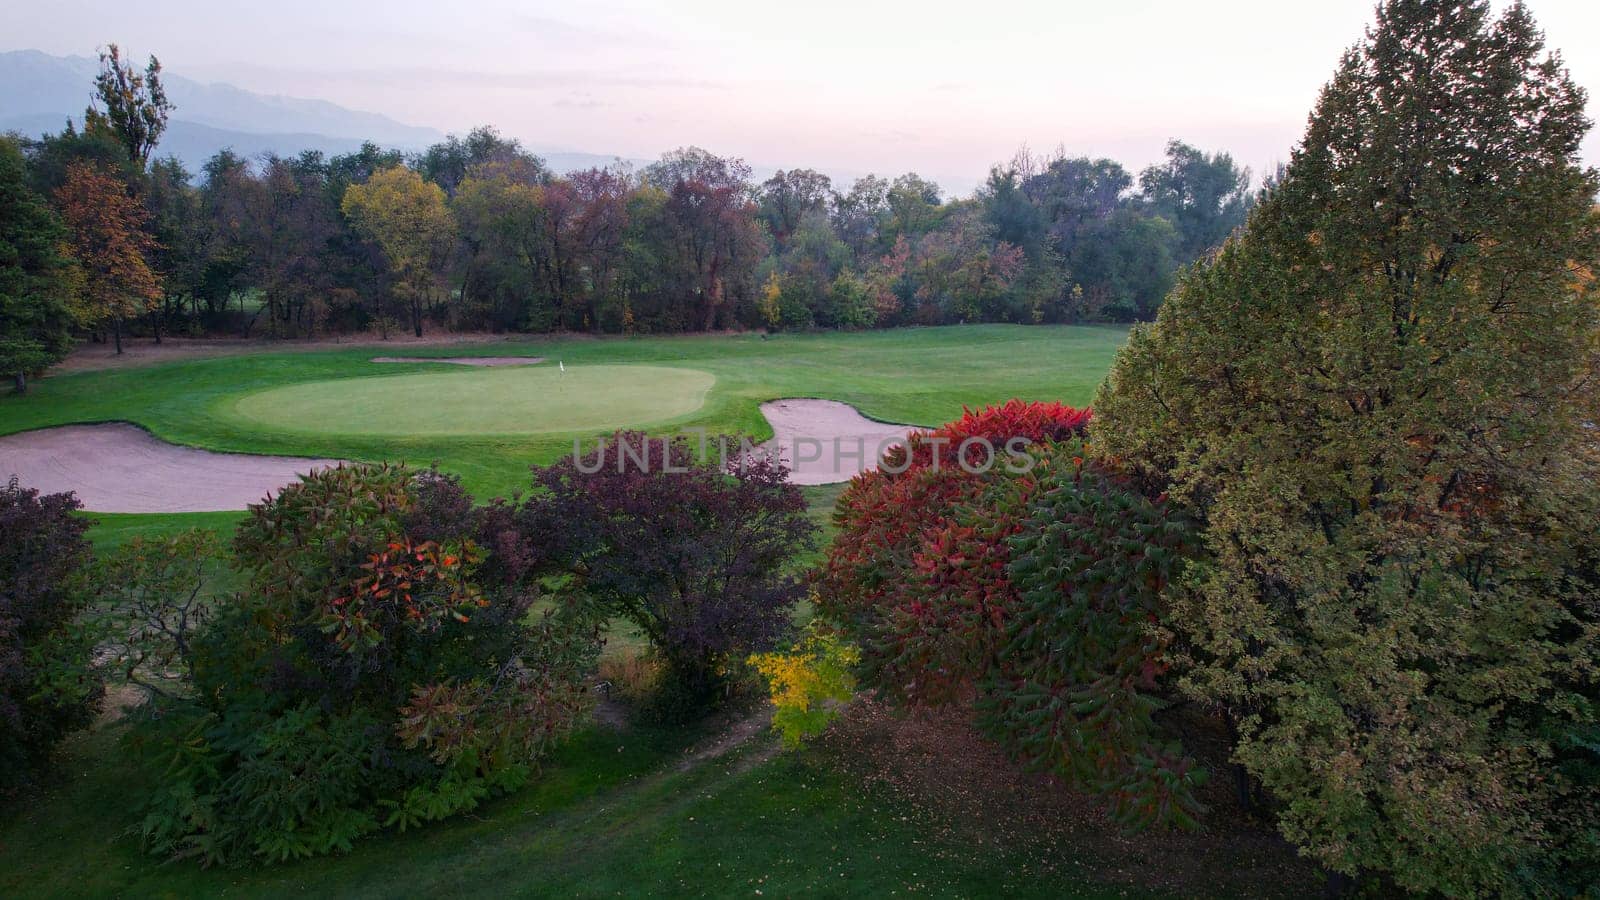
<point x="488" y="424"/>
<point x="505" y="401"/>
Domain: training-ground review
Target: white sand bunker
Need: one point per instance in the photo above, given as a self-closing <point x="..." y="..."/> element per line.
<point x="464" y="360"/>
<point x="824" y="442"/>
<point x="118" y="468"/>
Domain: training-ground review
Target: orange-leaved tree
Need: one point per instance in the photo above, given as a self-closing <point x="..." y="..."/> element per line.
<point x="106" y="227"/>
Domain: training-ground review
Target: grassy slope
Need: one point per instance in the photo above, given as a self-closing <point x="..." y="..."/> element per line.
<point x="611" y="815"/>
<point x="916" y="376"/>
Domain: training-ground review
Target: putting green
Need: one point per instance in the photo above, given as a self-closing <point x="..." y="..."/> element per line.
<point x="502" y="401"/>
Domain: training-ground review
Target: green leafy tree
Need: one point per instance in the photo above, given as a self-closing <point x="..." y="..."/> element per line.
<point x="1204" y="195"/>
<point x="1379" y="398"/>
<point x="38" y="286"/>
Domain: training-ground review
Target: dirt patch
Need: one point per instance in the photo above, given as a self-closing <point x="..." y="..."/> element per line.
<point x="967" y="789"/>
<point x="464" y="360"/>
<point x="740" y="733"/>
<point x="120" y="468"/>
<point x="825" y="441"/>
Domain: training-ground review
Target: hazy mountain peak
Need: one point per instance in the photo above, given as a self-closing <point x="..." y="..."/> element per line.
<point x="41" y="91"/>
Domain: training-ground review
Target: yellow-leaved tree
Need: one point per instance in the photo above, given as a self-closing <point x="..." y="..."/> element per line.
<point x="406" y="217"/>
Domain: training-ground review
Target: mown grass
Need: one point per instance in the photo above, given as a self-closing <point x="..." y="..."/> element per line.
<point x="455" y="400"/>
<point x="919" y="376"/>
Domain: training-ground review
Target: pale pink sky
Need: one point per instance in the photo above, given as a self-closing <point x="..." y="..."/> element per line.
<point x="942" y="88"/>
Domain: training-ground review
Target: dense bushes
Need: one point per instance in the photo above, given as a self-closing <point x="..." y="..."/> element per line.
<point x="386" y="665"/>
<point x="695" y="553"/>
<point x="47" y="685"/>
<point x="1030" y="587"/>
<point x="923" y="594"/>
<point x="1379" y="400"/>
<point x="366" y="679"/>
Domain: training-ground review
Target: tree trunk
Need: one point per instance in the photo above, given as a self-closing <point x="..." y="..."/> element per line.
<point x="22" y="382"/>
<point x="116" y="330"/>
<point x="416" y="315"/>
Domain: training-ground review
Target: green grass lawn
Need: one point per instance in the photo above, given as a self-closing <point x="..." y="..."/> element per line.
<point x="464" y="401"/>
<point x="918" y="376"/>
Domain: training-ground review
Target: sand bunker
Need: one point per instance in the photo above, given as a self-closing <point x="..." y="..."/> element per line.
<point x="825" y="442"/>
<point x="464" y="360"/>
<point x="118" y="468"/>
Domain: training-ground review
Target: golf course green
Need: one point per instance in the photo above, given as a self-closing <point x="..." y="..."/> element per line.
<point x="515" y="400"/>
<point x="489" y="424"/>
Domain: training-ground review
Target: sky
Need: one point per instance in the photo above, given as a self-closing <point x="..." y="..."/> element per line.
<point x="845" y="86"/>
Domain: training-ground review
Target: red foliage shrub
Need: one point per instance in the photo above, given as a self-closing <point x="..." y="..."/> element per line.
<point x="924" y="595"/>
<point x="1029" y="584"/>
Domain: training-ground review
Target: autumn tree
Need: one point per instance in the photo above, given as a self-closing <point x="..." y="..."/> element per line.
<point x="501" y="216"/>
<point x="957" y="273"/>
<point x="288" y="222"/>
<point x="38" y="283"/>
<point x="130" y="105"/>
<point x="599" y="230"/>
<point x="407" y="217"/>
<point x="48" y="684"/>
<point x="180" y="231"/>
<point x="694" y="548"/>
<point x="712" y="234"/>
<point x="859" y="214"/>
<point x="449" y="162"/>
<point x="106" y="228"/>
<point x="788" y="197"/>
<point x="1379" y="398"/>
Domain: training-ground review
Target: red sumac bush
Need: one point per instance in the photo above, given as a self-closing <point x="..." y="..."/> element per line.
<point x="924" y="596"/>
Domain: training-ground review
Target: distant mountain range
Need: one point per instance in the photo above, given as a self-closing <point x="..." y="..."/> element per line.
<point x="39" y="92"/>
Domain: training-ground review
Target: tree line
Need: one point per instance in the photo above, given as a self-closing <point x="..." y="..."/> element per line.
<point x="478" y="233"/>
